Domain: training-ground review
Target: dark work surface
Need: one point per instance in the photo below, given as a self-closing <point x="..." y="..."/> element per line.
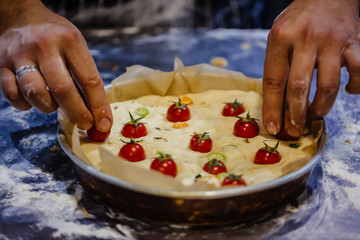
<point x="40" y="197"/>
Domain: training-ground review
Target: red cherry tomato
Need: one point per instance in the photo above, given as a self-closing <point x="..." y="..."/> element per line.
<point x="164" y="164"/>
<point x="267" y="155"/>
<point x="215" y="167"/>
<point x="283" y="135"/>
<point x="201" y="143"/>
<point x="97" y="136"/>
<point x="132" y="151"/>
<point x="134" y="128"/>
<point x="246" y="127"/>
<point x="232" y="109"/>
<point x="233" y="179"/>
<point x="178" y="112"/>
<point x="134" y="131"/>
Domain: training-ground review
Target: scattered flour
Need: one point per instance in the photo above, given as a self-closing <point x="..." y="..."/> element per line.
<point x="68" y="228"/>
<point x="343" y="150"/>
<point x="20" y="117"/>
<point x="34" y="203"/>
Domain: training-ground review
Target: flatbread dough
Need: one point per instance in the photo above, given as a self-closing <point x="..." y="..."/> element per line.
<point x="205" y="117"/>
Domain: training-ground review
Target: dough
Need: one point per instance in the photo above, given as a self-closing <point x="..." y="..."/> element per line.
<point x="205" y="117"/>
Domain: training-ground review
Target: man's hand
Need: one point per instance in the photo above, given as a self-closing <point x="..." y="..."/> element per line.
<point x="309" y="34"/>
<point x="67" y="76"/>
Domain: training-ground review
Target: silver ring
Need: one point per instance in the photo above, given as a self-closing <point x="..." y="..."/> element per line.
<point x="24" y="69"/>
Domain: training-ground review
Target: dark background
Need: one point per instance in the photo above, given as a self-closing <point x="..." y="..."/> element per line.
<point x="241" y="14"/>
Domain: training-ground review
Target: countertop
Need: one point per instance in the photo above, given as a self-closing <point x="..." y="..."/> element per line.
<point x="41" y="198"/>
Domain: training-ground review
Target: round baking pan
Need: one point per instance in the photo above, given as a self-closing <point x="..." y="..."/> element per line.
<point x="192" y="207"/>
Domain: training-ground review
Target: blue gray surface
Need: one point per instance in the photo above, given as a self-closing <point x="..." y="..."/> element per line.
<point x="40" y="197"/>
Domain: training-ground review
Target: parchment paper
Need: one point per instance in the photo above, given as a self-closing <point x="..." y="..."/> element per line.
<point x="139" y="81"/>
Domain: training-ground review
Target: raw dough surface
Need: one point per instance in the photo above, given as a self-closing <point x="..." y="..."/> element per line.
<point x="205" y="117"/>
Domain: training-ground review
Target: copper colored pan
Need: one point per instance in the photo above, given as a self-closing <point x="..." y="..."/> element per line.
<point x="192" y="208"/>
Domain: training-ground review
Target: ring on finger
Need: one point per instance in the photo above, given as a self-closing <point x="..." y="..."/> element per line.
<point x="25" y="69"/>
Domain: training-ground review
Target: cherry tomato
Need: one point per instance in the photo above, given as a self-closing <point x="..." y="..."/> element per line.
<point x="246" y="127"/>
<point x="132" y="151"/>
<point x="201" y="143"/>
<point x="164" y="164"/>
<point x="267" y="155"/>
<point x="233" y="179"/>
<point x="232" y="109"/>
<point x="283" y="135"/>
<point x="178" y="112"/>
<point x="215" y="167"/>
<point x="96" y="135"/>
<point x="134" y="128"/>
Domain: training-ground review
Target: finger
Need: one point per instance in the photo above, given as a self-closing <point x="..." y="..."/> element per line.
<point x="85" y="72"/>
<point x="352" y="59"/>
<point x="328" y="82"/>
<point x="63" y="89"/>
<point x="276" y="69"/>
<point x="11" y="91"/>
<point x="298" y="88"/>
<point x="33" y="88"/>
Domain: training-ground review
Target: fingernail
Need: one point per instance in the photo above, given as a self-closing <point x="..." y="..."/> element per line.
<point x="294" y="132"/>
<point x="271" y="127"/>
<point x="86" y="125"/>
<point x="104" y="124"/>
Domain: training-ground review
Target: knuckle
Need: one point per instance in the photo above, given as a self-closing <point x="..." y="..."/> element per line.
<point x="31" y="90"/>
<point x="310" y="33"/>
<point x="297" y="85"/>
<point x="327" y="35"/>
<point x="279" y="33"/>
<point x="271" y="84"/>
<point x="92" y="82"/>
<point x="330" y="88"/>
<point x="61" y="90"/>
<point x="68" y="34"/>
<point x="43" y="42"/>
<point x="72" y="34"/>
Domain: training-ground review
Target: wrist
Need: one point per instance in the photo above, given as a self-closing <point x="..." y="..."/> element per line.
<point x="13" y="10"/>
